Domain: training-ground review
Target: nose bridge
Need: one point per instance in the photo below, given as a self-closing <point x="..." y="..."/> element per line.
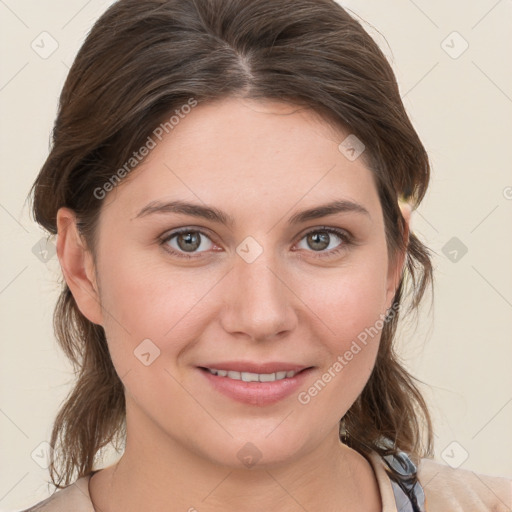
<point x="260" y="301"/>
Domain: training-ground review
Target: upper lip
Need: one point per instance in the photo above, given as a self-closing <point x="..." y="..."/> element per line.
<point x="251" y="367"/>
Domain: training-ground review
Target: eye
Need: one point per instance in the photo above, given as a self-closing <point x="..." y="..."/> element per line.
<point x="185" y="242"/>
<point x="319" y="240"/>
<point x="190" y="243"/>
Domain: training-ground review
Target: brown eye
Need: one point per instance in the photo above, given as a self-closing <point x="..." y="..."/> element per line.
<point x="187" y="241"/>
<point x="318" y="240"/>
<point x="326" y="241"/>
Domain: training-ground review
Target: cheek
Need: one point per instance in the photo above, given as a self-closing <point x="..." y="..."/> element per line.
<point x="143" y="301"/>
<point x="351" y="345"/>
<point x="348" y="309"/>
<point x="346" y="301"/>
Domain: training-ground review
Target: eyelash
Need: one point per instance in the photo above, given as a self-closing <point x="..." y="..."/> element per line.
<point x="343" y="235"/>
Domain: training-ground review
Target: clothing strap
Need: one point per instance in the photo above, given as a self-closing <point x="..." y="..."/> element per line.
<point x="409" y="494"/>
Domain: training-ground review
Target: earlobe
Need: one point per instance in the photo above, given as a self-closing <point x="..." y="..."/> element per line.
<point x="406" y="210"/>
<point x="78" y="266"/>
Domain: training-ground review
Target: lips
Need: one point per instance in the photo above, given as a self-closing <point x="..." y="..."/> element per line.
<point x="255" y="383"/>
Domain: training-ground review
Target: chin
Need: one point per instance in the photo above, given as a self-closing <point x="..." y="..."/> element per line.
<point x="259" y="451"/>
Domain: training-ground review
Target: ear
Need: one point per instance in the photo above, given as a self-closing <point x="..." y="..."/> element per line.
<point x="396" y="264"/>
<point x="78" y="266"/>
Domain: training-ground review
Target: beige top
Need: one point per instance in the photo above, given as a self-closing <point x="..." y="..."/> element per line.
<point x="446" y="490"/>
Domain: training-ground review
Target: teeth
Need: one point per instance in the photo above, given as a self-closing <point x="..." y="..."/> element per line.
<point x="252" y="377"/>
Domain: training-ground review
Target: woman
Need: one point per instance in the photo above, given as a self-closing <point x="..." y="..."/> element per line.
<point x="231" y="184"/>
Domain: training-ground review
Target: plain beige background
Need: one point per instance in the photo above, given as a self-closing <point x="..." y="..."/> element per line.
<point x="452" y="64"/>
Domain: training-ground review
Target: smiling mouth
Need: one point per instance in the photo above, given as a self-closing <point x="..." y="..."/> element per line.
<point x="253" y="377"/>
<point x="265" y="384"/>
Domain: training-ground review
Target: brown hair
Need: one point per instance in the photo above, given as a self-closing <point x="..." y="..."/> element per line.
<point x="145" y="58"/>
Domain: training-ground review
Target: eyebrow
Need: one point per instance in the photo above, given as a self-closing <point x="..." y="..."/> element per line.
<point x="216" y="215"/>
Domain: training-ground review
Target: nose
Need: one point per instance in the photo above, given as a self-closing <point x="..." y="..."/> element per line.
<point x="259" y="303"/>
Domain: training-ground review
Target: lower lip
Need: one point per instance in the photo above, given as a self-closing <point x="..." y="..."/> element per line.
<point x="257" y="393"/>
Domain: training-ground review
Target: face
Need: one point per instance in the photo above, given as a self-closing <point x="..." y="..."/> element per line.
<point x="243" y="281"/>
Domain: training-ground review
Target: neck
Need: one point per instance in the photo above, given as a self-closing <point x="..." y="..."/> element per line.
<point x="156" y="471"/>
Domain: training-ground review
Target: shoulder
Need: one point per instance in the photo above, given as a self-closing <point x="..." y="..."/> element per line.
<point x="75" y="497"/>
<point x="459" y="489"/>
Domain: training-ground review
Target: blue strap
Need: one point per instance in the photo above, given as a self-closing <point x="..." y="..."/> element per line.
<point x="409" y="495"/>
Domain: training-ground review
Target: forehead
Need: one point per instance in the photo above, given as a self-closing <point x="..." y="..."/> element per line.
<point x="249" y="154"/>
